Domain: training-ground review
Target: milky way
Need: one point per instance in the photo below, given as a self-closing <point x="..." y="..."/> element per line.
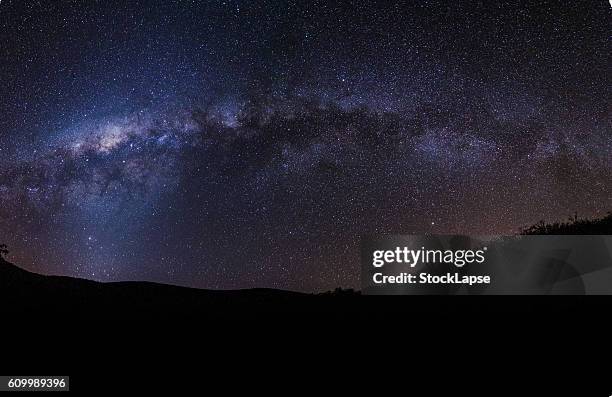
<point x="238" y="144"/>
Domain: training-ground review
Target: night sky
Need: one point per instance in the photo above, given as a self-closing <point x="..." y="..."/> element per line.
<point x="236" y="144"/>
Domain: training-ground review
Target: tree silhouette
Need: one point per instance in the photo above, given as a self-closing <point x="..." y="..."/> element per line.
<point x="574" y="225"/>
<point x="3" y="250"/>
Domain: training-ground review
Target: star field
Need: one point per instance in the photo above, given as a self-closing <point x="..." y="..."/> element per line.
<point x="235" y="144"/>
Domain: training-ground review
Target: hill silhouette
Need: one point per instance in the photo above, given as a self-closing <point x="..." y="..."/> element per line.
<point x="31" y="298"/>
<point x="21" y="290"/>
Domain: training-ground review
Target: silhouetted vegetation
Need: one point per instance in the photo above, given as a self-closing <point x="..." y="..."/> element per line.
<point x="342" y="292"/>
<point x="574" y="225"/>
<point x="3" y="251"/>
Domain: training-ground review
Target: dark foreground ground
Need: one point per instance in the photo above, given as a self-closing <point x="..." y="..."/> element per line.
<point x="114" y="337"/>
